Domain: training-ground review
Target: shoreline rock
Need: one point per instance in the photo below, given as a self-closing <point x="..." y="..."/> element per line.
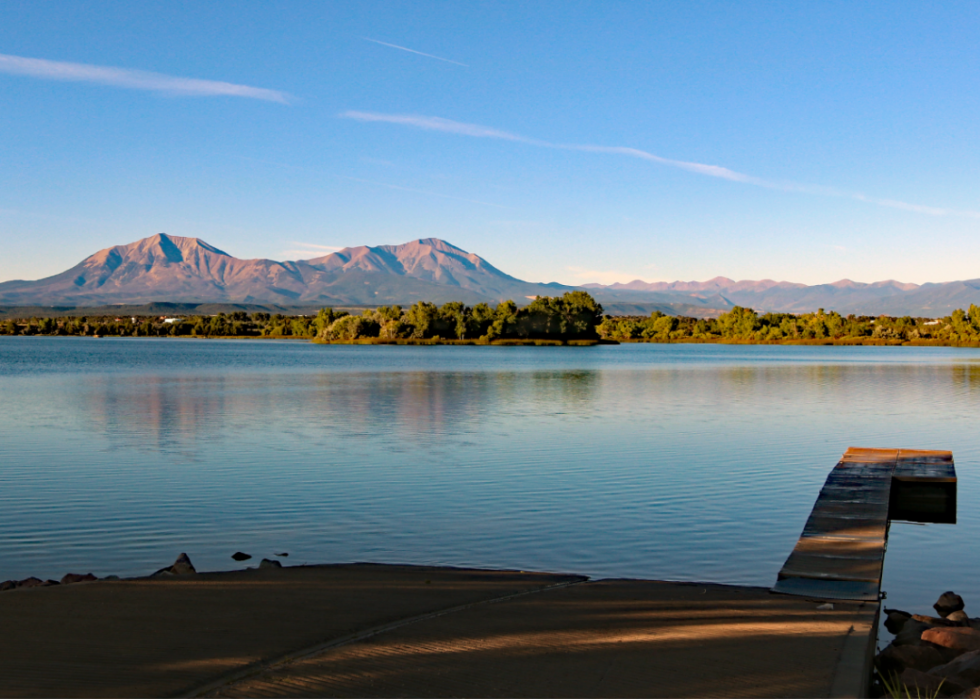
<point x="932" y="656"/>
<point x="182" y="566"/>
<point x="947" y="603"/>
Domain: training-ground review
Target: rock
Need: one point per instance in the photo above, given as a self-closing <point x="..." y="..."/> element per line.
<point x="8" y="585"/>
<point x="896" y="620"/>
<point x="911" y="633"/>
<point x="239" y="556"/>
<point x="71" y="578"/>
<point x="30" y="582"/>
<point x="919" y="683"/>
<point x="933" y="620"/>
<point x="948" y="602"/>
<point x="266" y="563"/>
<point x="966" y="666"/>
<point x="962" y="639"/>
<point x="955" y="686"/>
<point x="49" y="583"/>
<point x="283" y="554"/>
<point x="969" y="694"/>
<point x="959" y="617"/>
<point x="894" y="659"/>
<point x="182" y="566"/>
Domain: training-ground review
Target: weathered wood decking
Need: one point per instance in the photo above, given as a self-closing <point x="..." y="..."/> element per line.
<point x="842" y="549"/>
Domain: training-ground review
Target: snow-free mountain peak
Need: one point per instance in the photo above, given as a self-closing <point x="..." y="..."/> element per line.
<point x="430" y="259"/>
<point x="188" y="270"/>
<point x="159" y="248"/>
<point x="169" y="268"/>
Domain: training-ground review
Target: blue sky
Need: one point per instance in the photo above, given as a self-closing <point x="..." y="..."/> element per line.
<point x="563" y="141"/>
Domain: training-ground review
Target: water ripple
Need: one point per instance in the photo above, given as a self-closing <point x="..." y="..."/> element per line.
<point x="673" y="462"/>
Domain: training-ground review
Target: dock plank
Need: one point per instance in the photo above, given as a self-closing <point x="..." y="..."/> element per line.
<point x="806" y="565"/>
<point x="840" y="553"/>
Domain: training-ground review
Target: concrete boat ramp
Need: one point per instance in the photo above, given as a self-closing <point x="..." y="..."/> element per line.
<point x="377" y="631"/>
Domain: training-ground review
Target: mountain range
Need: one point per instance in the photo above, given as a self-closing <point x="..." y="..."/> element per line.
<point x="173" y="269"/>
<point x="188" y="270"/>
<point x="845" y="296"/>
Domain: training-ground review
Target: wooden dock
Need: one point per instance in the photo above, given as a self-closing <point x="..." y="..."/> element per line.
<point x="842" y="548"/>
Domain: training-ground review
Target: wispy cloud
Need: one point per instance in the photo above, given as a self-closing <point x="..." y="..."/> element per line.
<point x="133" y="79"/>
<point x="430" y="123"/>
<point x="422" y="191"/>
<point x="402" y="48"/>
<point x="439" y="124"/>
<point x="306" y="251"/>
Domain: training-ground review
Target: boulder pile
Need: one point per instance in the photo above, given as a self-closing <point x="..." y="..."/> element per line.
<point x="932" y="656"/>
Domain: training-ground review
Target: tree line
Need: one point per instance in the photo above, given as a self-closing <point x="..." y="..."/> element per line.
<point x="237" y="324"/>
<point x="573" y="317"/>
<point x="745" y="325"/>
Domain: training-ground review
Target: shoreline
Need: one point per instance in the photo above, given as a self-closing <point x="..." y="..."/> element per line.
<point x="826" y="342"/>
<point x="390" y="630"/>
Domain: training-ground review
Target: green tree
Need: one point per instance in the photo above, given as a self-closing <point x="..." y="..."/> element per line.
<point x="300" y="327"/>
<point x="454" y="316"/>
<point x="575" y="315"/>
<point x="739" y="323"/>
<point x="388" y="313"/>
<point x="974" y="314"/>
<point x="660" y="328"/>
<point x="422" y="317"/>
<point x="481" y="318"/>
<point x="504" y="321"/>
<point x="352" y="328"/>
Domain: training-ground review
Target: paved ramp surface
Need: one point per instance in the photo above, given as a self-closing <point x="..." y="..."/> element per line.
<point x="384" y="631"/>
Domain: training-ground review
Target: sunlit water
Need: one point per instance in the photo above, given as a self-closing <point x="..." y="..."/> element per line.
<point x="681" y="462"/>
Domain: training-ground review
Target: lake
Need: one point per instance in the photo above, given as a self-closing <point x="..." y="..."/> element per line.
<point x="677" y="462"/>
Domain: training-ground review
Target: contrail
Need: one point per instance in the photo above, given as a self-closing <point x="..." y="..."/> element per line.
<point x="132" y="79"/>
<point x="402" y="48"/>
<point x="431" y="123"/>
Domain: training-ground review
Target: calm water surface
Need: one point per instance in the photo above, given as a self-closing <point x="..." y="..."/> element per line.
<point x="685" y="462"/>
